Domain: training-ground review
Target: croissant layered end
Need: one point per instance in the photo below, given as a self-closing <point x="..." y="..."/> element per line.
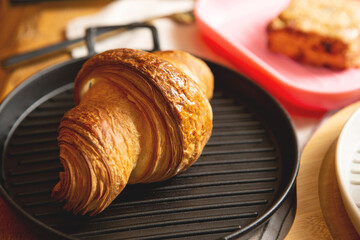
<point x="140" y="118"/>
<point x="99" y="147"/>
<point x="80" y="175"/>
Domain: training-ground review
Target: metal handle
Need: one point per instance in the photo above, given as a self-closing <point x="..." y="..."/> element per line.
<point x="92" y="32"/>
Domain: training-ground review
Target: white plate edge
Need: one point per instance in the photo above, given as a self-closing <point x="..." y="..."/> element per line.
<point x="342" y="166"/>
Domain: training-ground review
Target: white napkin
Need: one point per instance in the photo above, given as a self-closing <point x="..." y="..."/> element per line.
<point x="171" y="35"/>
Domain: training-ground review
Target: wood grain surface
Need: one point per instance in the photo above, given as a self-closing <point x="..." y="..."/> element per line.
<point x="320" y="212"/>
<point x="331" y="203"/>
<point x="28" y="27"/>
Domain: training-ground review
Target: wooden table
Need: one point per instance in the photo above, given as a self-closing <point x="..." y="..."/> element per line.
<point x="30" y="26"/>
<point x="320" y="212"/>
<point x="23" y="28"/>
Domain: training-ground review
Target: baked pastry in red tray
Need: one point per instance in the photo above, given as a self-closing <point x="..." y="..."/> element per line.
<point x="322" y="33"/>
<point x="238" y="31"/>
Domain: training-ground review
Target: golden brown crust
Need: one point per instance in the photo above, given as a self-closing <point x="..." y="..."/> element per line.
<point x="193" y="67"/>
<point x="318" y="32"/>
<point x="138" y="119"/>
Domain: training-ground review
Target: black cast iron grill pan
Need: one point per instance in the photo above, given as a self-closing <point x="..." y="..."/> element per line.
<point x="245" y="173"/>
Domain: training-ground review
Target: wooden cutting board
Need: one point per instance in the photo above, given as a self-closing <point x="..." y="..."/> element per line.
<point x="320" y="211"/>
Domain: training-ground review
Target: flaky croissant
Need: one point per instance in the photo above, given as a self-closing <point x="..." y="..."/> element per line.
<point x="140" y="117"/>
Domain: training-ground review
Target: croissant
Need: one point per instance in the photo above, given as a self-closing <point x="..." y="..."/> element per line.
<point x="140" y="117"/>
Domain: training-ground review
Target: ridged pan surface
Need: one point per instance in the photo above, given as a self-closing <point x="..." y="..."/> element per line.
<point x="243" y="175"/>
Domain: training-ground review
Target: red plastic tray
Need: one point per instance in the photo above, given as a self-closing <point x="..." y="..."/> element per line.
<point x="237" y="30"/>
